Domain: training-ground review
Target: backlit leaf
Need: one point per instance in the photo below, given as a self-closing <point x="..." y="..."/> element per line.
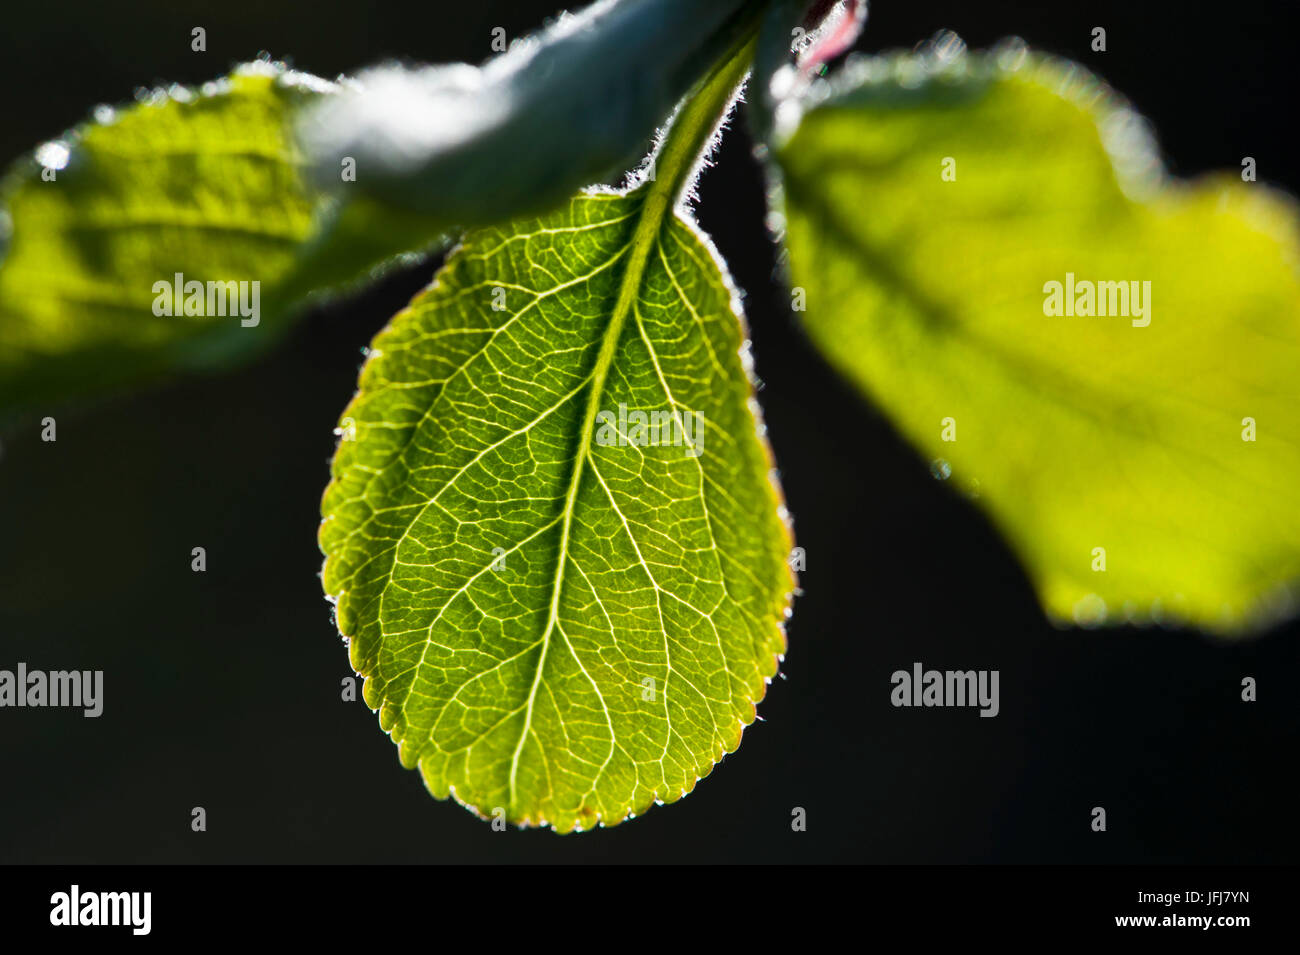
<point x="1141" y="463"/>
<point x="562" y="619"/>
<point x="202" y="184"/>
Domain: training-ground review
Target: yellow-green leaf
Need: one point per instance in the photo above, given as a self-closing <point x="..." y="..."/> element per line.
<point x="1142" y="463"/>
<point x="201" y="184"/>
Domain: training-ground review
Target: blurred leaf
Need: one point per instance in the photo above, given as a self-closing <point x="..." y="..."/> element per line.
<point x="573" y="105"/>
<point x="207" y="185"/>
<point x="1075" y="433"/>
<point x="563" y="618"/>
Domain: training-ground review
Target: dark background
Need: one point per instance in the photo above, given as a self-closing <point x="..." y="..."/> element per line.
<point x="222" y="689"/>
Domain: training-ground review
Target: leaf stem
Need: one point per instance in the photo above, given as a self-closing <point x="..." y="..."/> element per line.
<point x="694" y="125"/>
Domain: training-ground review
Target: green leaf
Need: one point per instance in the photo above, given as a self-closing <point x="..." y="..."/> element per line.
<point x="206" y="184"/>
<point x="1074" y="433"/>
<point x="559" y="628"/>
<point x="572" y="105"/>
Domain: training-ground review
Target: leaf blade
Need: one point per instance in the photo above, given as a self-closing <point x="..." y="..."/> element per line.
<point x="621" y="566"/>
<point x="1074" y="433"/>
<point x="206" y="184"/>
